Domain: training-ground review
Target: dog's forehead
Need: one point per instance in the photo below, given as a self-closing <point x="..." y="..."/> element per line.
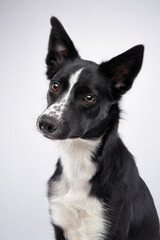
<point x="75" y="77"/>
<point x="69" y="71"/>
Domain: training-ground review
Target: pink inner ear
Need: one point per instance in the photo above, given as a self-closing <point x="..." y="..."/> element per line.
<point x="119" y="84"/>
<point x="121" y="71"/>
<point x="60" y="48"/>
<point x="62" y="52"/>
<point x="118" y="76"/>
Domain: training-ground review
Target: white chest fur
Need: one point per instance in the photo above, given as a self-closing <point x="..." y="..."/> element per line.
<point x="78" y="214"/>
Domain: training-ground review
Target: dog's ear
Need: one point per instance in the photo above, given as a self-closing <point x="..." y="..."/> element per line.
<point x="60" y="46"/>
<point x="123" y="69"/>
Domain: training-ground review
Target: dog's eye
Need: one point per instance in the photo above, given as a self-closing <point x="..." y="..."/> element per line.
<point x="55" y="87"/>
<point x="89" y="99"/>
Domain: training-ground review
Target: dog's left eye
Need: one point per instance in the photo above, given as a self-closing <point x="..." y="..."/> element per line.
<point x="89" y="99"/>
<point x="55" y="87"/>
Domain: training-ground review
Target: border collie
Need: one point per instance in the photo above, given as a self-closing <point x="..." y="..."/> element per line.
<point x="96" y="191"/>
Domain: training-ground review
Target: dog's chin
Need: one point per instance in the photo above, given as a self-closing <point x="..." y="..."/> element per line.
<point x="54" y="137"/>
<point x="49" y="137"/>
<point x="62" y="136"/>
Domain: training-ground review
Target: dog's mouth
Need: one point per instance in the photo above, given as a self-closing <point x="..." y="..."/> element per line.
<point x="48" y="136"/>
<point x="62" y="136"/>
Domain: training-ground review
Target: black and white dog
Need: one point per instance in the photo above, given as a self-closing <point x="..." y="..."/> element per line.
<point x="96" y="191"/>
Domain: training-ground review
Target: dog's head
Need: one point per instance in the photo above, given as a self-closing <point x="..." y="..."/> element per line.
<point x="83" y="96"/>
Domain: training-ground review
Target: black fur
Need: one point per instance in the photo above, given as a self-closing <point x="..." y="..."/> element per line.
<point x="117" y="182"/>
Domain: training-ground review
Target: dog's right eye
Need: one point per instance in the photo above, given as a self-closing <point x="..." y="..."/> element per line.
<point x="55" y="87"/>
<point x="89" y="99"/>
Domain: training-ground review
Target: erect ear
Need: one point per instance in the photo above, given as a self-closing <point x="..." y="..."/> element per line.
<point x="60" y="46"/>
<point x="123" y="69"/>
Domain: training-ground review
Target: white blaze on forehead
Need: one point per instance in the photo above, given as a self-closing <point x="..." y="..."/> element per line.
<point x="56" y="110"/>
<point x="72" y="81"/>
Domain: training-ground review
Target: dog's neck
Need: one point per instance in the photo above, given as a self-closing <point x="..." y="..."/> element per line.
<point x="77" y="162"/>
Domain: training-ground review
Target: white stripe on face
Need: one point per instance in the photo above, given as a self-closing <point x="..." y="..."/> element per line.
<point x="56" y="109"/>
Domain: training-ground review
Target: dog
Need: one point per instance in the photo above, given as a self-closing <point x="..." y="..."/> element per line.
<point x="96" y="191"/>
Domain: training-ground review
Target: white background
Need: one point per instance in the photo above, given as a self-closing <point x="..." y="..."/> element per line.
<point x="100" y="30"/>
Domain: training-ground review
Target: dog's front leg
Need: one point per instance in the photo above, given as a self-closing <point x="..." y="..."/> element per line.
<point x="59" y="233"/>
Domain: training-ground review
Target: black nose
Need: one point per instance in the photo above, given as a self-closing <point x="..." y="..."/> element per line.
<point x="47" y="124"/>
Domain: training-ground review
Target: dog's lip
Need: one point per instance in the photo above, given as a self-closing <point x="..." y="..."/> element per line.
<point x="54" y="138"/>
<point x="48" y="136"/>
<point x="78" y="135"/>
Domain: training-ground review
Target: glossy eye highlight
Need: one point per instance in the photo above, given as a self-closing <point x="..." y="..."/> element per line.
<point x="55" y="87"/>
<point x="89" y="99"/>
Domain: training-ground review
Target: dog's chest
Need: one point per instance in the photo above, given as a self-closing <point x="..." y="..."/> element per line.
<point x="78" y="214"/>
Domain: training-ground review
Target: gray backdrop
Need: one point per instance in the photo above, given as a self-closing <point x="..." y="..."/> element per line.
<point x="100" y="30"/>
